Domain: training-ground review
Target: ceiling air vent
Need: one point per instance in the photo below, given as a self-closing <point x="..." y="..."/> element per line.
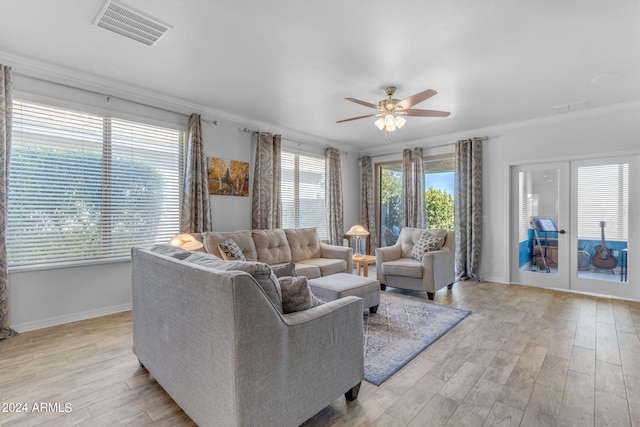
<point x="129" y="23"/>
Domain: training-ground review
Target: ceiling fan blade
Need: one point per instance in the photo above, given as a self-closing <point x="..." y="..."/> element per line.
<point x="426" y="113"/>
<point x="416" y="99"/>
<point x="356" y="118"/>
<point x="365" y="103"/>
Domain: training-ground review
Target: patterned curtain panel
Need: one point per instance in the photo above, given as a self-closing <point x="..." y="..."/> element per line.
<point x="412" y="188"/>
<point x="196" y="211"/>
<point x="335" y="221"/>
<point x="266" y="202"/>
<point x="468" y="208"/>
<point x="367" y="213"/>
<point x="6" y="114"/>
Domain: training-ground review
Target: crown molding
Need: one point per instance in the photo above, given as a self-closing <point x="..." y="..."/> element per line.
<point x="94" y="83"/>
<point x="489" y="131"/>
<point x="91" y="82"/>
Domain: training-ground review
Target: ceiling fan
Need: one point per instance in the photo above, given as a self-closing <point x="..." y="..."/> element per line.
<point x="392" y="110"/>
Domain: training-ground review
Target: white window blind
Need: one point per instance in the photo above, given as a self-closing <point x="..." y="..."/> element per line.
<point x="303" y="192"/>
<point x="84" y="187"/>
<point x="603" y="195"/>
<point x="523" y="207"/>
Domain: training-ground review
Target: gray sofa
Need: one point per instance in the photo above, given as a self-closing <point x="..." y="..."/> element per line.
<point x="216" y="339"/>
<point x="279" y="246"/>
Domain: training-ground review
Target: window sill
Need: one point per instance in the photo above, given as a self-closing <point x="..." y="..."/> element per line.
<point x="68" y="264"/>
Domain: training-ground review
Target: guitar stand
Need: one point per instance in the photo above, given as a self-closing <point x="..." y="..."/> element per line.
<point x="534" y="262"/>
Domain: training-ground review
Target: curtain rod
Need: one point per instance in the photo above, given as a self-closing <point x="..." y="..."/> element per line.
<point x="484" y="138"/>
<point x="109" y="97"/>
<point x="288" y="139"/>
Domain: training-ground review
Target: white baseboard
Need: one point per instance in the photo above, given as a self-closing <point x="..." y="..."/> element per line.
<point x="495" y="279"/>
<point x="72" y="317"/>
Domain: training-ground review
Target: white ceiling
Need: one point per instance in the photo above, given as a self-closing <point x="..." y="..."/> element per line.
<point x="289" y="64"/>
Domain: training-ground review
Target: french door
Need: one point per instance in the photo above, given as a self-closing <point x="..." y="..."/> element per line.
<point x="539" y="224"/>
<point x="574" y="224"/>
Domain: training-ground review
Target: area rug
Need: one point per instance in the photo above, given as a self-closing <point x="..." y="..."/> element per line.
<point x="400" y="330"/>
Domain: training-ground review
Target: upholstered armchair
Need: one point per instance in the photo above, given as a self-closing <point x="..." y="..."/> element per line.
<point x="427" y="272"/>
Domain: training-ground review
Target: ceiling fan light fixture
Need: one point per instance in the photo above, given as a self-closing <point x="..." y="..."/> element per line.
<point x="389" y="120"/>
<point x="392" y="111"/>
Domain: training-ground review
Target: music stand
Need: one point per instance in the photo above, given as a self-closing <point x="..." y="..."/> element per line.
<point x="546" y="225"/>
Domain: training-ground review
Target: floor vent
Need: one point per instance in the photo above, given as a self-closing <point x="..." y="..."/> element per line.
<point x="129" y="23"/>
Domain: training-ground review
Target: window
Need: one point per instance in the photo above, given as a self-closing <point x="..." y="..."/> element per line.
<point x="603" y="195"/>
<point x="439" y="184"/>
<point x="84" y="187"/>
<point x="303" y="192"/>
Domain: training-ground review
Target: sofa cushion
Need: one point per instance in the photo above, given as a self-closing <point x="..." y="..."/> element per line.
<point x="230" y="250"/>
<point x="243" y="239"/>
<point x="168" y="250"/>
<point x="327" y="265"/>
<point x="427" y="243"/>
<point x="259" y="270"/>
<point x="283" y="270"/>
<point x="308" y="270"/>
<point x="296" y="294"/>
<point x="272" y="246"/>
<point x="403" y="267"/>
<point x="304" y="243"/>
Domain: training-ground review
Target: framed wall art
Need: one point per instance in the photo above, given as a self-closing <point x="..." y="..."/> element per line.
<point x="228" y="177"/>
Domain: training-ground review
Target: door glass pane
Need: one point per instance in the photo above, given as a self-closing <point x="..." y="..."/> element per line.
<point x="603" y="222"/>
<point x="538" y="218"/>
<point x="390" y="203"/>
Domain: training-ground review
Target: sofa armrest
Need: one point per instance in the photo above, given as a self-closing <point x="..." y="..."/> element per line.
<point x="338" y="252"/>
<point x="305" y="316"/>
<point x="388" y="253"/>
<point x="439" y="266"/>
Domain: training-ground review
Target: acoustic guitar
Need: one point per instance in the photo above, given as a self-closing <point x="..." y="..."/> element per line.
<point x="603" y="258"/>
<point x="538" y="252"/>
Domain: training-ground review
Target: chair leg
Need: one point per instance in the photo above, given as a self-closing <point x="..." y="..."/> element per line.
<point x="430" y="295"/>
<point x="352" y="394"/>
<point x="373" y="309"/>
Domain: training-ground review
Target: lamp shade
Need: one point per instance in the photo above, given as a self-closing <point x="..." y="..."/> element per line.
<point x="357" y="230"/>
<point x="186" y="242"/>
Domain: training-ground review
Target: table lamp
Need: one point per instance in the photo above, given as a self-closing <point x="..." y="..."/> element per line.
<point x="186" y="242"/>
<point x="357" y="231"/>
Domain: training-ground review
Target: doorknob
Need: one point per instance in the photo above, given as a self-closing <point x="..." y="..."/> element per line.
<point x="561" y="231"/>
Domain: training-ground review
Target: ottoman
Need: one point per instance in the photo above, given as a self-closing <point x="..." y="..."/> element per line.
<point x="339" y="285"/>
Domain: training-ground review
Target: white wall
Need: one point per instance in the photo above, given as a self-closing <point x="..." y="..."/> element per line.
<point x="45" y="297"/>
<point x="229" y="141"/>
<point x="41" y="298"/>
<point x="586" y="134"/>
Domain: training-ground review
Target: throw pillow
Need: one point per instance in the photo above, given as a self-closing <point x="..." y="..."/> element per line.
<point x="230" y="250"/>
<point x="426" y="243"/>
<point x="296" y="294"/>
<point x="283" y="270"/>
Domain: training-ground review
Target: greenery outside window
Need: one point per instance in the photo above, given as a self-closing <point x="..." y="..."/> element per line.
<point x="438" y="198"/>
<point x="84" y="187"/>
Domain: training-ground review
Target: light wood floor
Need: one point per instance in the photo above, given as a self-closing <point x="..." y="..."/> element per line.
<point x="526" y="356"/>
